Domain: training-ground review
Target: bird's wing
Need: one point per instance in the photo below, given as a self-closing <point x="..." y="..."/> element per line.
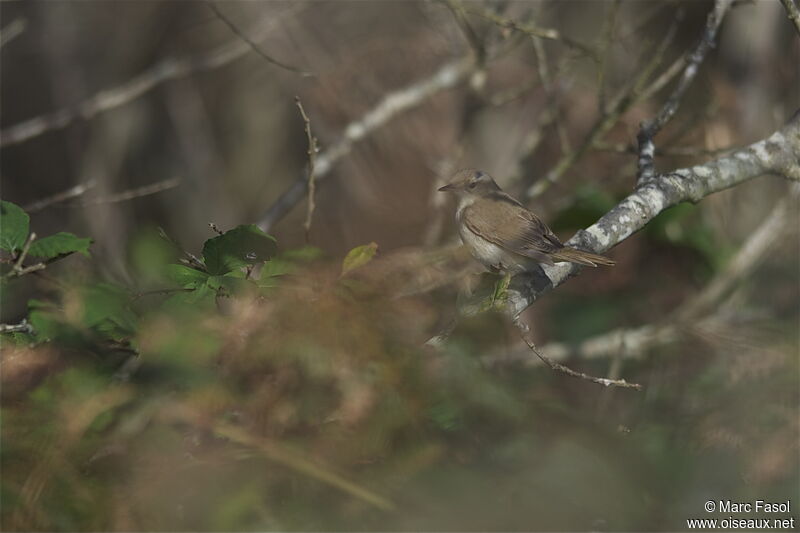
<point x="513" y="228"/>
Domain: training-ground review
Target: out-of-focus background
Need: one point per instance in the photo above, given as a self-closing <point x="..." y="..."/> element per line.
<point x="173" y="95"/>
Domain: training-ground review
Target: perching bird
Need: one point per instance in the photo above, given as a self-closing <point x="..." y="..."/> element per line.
<point x="501" y="233"/>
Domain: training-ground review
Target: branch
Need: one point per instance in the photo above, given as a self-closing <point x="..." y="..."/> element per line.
<point x="73" y="192"/>
<point x="313" y="148"/>
<point x="390" y="106"/>
<point x="650" y="129"/>
<point x="169" y="69"/>
<point x="130" y="194"/>
<point x="252" y="44"/>
<point x="778" y="154"/>
<point x="568" y="371"/>
<point x="792" y="12"/>
<point x="629" y="96"/>
<point x="23" y="327"/>
<point x="633" y="342"/>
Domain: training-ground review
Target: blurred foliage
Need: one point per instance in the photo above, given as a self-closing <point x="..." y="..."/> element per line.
<point x="258" y="390"/>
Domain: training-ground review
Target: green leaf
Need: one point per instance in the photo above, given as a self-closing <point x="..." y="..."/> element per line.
<point x="359" y="256"/>
<point x="232" y="284"/>
<point x="107" y="302"/>
<point x="14" y="227"/>
<point x="62" y="243"/>
<point x="241" y="246"/>
<point x="186" y="277"/>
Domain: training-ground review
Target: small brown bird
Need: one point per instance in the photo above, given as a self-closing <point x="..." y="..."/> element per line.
<point x="502" y="234"/>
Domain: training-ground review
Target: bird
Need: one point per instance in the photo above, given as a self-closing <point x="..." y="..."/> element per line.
<point x="504" y="235"/>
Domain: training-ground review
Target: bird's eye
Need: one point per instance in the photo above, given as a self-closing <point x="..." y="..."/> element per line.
<point x="473" y="184"/>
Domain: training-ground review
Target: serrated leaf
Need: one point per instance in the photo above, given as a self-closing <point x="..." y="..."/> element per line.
<point x="14" y="227"/>
<point x="62" y="243"/>
<point x="241" y="246"/>
<point x="186" y="277"/>
<point x="359" y="256"/>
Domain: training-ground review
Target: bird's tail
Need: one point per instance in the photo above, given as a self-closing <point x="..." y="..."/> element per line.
<point x="573" y="255"/>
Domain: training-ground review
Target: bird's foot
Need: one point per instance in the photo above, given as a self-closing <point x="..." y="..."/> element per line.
<point x="500" y="293"/>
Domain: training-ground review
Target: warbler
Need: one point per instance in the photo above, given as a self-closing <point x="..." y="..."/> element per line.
<point x="504" y="235"/>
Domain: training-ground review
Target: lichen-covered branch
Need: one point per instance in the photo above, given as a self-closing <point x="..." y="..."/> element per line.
<point x="707" y="308"/>
<point x="793" y="13"/>
<point x="778" y="154"/>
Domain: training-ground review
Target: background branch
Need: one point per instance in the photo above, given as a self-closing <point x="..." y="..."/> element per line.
<point x="390" y="106"/>
<point x="168" y="69"/>
<point x="650" y="129"/>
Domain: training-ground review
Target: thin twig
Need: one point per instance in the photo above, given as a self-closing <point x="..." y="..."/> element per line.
<point x="609" y="25"/>
<point x="252" y="44"/>
<point x="18" y="270"/>
<point x="390" y="106"/>
<point x="568" y="371"/>
<point x="649" y="129"/>
<point x="21" y="257"/>
<point x="535" y="31"/>
<point x="168" y="69"/>
<point x="792" y="12"/>
<point x="313" y="148"/>
<point x="73" y="192"/>
<point x="130" y="194"/>
<point x="624" y="101"/>
<point x="215" y="229"/>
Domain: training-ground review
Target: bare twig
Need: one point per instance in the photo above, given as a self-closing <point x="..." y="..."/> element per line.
<point x="72" y="192"/>
<point x="534" y="31"/>
<point x="568" y="371"/>
<point x="13" y="30"/>
<point x="300" y="463"/>
<point x="390" y="106"/>
<point x="168" y="69"/>
<point x="130" y="194"/>
<point x="313" y="148"/>
<point x="252" y="44"/>
<point x="17" y="269"/>
<point x="792" y="12"/>
<point x="649" y="129"/>
<point x="21" y="257"/>
<point x="624" y="101"/>
<point x="215" y="229"/>
<point x="609" y="25"/>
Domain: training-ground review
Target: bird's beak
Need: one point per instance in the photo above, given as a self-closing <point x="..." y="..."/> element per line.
<point x="448" y="187"/>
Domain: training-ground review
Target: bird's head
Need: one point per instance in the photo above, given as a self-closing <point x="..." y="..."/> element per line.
<point x="470" y="182"/>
